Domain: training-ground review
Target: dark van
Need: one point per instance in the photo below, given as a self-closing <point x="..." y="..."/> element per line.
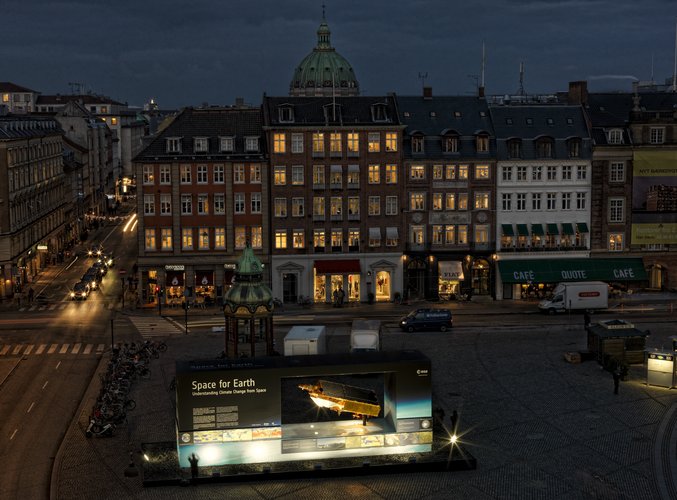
<point x="427" y="319"/>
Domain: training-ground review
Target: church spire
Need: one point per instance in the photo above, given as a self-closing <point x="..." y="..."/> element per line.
<point x="323" y="33"/>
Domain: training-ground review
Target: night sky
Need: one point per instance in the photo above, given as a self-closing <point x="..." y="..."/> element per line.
<point x="191" y="52"/>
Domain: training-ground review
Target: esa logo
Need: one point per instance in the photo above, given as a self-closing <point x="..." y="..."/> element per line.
<point x="422" y="373"/>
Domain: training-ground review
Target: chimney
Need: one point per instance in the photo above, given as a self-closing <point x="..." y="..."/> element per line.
<point x="578" y="92"/>
<point x="481" y="91"/>
<point x="427" y="92"/>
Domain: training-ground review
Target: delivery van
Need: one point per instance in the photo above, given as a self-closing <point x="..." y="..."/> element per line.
<point x="577" y="296"/>
<point x="365" y="335"/>
<point x="427" y="319"/>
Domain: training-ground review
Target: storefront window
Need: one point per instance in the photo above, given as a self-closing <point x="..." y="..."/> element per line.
<point x="354" y="287"/>
<point x="336" y="283"/>
<point x="320" y="288"/>
<point x="383" y="285"/>
<point x="205" y="292"/>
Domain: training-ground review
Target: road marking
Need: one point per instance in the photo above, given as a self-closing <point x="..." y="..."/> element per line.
<point x="63" y="350"/>
<point x="45" y="384"/>
<point x="76" y="348"/>
<point x="28" y="350"/>
<point x="41" y="349"/>
<point x="5" y="349"/>
<point x="52" y="348"/>
<point x="31" y="407"/>
<point x="13" y="433"/>
<point x="17" y="349"/>
<point x="88" y="349"/>
<point x="100" y="348"/>
<point x="58" y="365"/>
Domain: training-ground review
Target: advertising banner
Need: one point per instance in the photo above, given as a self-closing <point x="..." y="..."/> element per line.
<point x="654" y="198"/>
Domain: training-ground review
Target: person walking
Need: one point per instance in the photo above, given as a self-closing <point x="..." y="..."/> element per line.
<point x="30" y="295"/>
<point x="335" y="296"/>
<point x="341" y="295"/>
<point x="617" y="380"/>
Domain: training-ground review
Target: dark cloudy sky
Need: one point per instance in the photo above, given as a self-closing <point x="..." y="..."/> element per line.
<point x="194" y="51"/>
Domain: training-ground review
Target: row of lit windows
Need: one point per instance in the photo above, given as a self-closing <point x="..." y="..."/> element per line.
<point x="320" y="238"/>
<point x="448" y="172"/>
<point x="518" y="201"/>
<point x="448" y="234"/>
<point x="337" y="204"/>
<point x="336" y="174"/>
<point x="448" y="201"/>
<point x="545" y="241"/>
<point x="335" y="142"/>
<point x="201" y="174"/>
<point x="202" y="238"/>
<point x="540" y="173"/>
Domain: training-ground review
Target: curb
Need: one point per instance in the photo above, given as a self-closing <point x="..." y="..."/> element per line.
<point x="19" y="360"/>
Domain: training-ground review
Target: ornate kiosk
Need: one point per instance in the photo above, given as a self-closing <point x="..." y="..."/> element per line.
<point x="248" y="308"/>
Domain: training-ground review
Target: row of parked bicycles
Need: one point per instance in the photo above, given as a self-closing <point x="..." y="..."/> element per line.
<point x="128" y="363"/>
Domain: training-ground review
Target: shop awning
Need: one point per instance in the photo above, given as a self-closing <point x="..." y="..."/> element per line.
<point x="582" y="227"/>
<point x="204" y="278"/>
<point x="374" y="233"/>
<point x="353" y="168"/>
<point x="537" y="229"/>
<point x="507" y="230"/>
<point x="450" y="270"/>
<point x="568" y="228"/>
<point x="337" y="266"/>
<point x="557" y="270"/>
<point x="391" y="233"/>
<point x="552" y="229"/>
<point x="522" y="230"/>
<point x="336" y="169"/>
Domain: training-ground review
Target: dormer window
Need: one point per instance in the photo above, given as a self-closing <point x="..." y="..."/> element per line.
<point x="417" y="144"/>
<point x="173" y="144"/>
<point x="286" y="114"/>
<point x="457" y="114"/>
<point x="379" y="113"/>
<point x="201" y="145"/>
<point x="530" y="121"/>
<point x="615" y="136"/>
<point x="574" y="146"/>
<point x="226" y="144"/>
<point x="544" y="148"/>
<point x="251" y="144"/>
<point x="482" y="143"/>
<point x="451" y="144"/>
<point x="515" y="148"/>
<point x="332" y="112"/>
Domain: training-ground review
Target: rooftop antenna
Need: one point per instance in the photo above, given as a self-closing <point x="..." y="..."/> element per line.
<point x="521" y="89"/>
<point x="484" y="60"/>
<point x="674" y="69"/>
<point x="422" y="77"/>
<point x="652" y="80"/>
<point x="76" y="87"/>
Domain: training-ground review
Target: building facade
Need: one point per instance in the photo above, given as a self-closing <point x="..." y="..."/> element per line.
<point x="33" y="199"/>
<point x="336" y="197"/>
<point x="449" y="181"/>
<point x="17" y="99"/>
<point x="202" y="197"/>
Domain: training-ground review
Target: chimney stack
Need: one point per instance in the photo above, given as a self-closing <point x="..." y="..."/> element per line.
<point x="578" y="92"/>
<point x="427" y="92"/>
<point x="481" y="91"/>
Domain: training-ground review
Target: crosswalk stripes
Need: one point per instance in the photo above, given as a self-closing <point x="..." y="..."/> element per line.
<point x="60" y="306"/>
<point x="41" y="349"/>
<point x="150" y="327"/>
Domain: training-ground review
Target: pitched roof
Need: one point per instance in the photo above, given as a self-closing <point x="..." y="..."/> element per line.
<point x="211" y="123"/>
<point x="85" y="99"/>
<point x="465" y="115"/>
<point x="13" y="87"/>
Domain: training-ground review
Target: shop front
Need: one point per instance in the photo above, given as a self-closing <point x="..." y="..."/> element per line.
<point x="175" y="284"/>
<point x="205" y="292"/>
<point x="450" y="278"/>
<point x="334" y="275"/>
<point x="533" y="278"/>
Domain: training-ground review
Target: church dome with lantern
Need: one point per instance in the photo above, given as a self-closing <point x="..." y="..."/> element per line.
<point x="324" y="72"/>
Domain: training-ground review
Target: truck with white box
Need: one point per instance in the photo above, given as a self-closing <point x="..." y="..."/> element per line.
<point x="304" y="340"/>
<point x="577" y="296"/>
<point x="365" y="335"/>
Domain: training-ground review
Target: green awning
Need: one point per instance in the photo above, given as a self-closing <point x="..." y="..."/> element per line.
<point x="557" y="270"/>
<point x="568" y="228"/>
<point x="522" y="230"/>
<point x="552" y="229"/>
<point x="582" y="227"/>
<point x="507" y="230"/>
<point x="537" y="229"/>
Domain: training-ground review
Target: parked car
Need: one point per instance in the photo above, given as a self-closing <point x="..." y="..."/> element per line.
<point x="80" y="291"/>
<point x="427" y="319"/>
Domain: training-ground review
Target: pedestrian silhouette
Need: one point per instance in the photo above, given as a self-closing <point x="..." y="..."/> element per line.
<point x="30" y="295"/>
<point x="193" y="459"/>
<point x="617" y="379"/>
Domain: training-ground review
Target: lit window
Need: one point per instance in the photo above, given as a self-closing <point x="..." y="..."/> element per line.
<point x="482" y="201"/>
<point x="335" y="143"/>
<point x="280" y="175"/>
<point x="354" y="238"/>
<point x="616" y="242"/>
<point x="336" y="207"/>
<point x="374" y="205"/>
<point x="319" y="239"/>
<point x="354" y="207"/>
<point x="463" y="172"/>
<point x="463" y="201"/>
<point x="148" y="175"/>
<point x="417" y="172"/>
<point x="336" y="238"/>
<point x="450" y="172"/>
<point x="149" y="239"/>
<point x="318" y="142"/>
<point x="166" y="238"/>
<point x="481" y="233"/>
<point x="450" y="201"/>
<point x="374" y="141"/>
<point x="318" y="175"/>
<point x="257" y="237"/>
<point x="186" y="177"/>
<point x="187" y="238"/>
<point x="481" y="171"/>
<point x="220" y="237"/>
<point x="437" y="201"/>
<point x="279" y="143"/>
<point x="391" y="142"/>
<point x="391" y="174"/>
<point x="203" y="238"/>
<point x="450" y="234"/>
<point x="417" y="201"/>
<point x="374" y="174"/>
<point x="353" y="143"/>
<point x="318" y="206"/>
<point x="240" y="237"/>
<point x="462" y="234"/>
<point x="298" y="238"/>
<point x="238" y="173"/>
<point x="255" y="174"/>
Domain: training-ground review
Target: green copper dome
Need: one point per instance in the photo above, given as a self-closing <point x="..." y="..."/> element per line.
<point x="248" y="295"/>
<point x="324" y="72"/>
